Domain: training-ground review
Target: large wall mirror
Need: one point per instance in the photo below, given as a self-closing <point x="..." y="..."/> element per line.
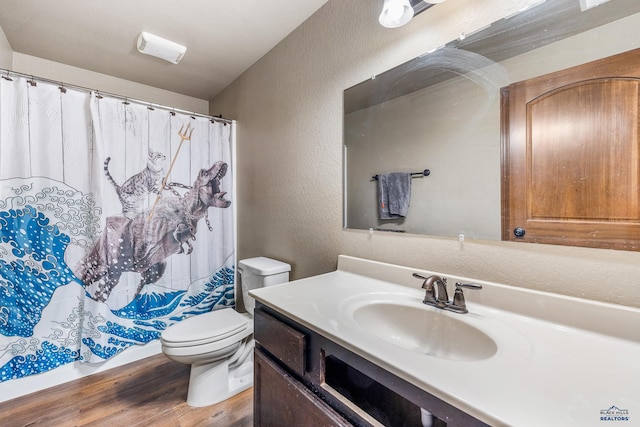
<point x="442" y="112"/>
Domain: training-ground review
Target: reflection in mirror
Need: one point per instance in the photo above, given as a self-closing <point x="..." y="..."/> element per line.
<point x="441" y="112"/>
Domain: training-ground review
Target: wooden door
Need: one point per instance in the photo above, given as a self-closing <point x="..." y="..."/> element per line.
<point x="570" y="156"/>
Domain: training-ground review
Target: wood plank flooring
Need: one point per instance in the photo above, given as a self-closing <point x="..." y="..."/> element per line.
<point x="149" y="392"/>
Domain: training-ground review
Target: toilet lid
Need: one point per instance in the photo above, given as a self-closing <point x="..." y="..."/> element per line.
<point x="203" y="328"/>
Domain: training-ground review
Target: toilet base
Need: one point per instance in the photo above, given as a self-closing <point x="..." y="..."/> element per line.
<point x="211" y="383"/>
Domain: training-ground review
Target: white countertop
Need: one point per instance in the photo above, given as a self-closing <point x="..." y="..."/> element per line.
<point x="560" y="360"/>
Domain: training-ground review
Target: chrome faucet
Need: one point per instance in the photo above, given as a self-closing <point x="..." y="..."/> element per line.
<point x="437" y="296"/>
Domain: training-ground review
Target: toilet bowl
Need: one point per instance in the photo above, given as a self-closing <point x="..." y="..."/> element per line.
<point x="219" y="345"/>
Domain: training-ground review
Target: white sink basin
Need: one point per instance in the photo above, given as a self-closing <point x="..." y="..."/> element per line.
<point x="423" y="329"/>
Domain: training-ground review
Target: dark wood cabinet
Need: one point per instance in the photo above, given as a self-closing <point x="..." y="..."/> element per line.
<point x="283" y="342"/>
<point x="280" y="400"/>
<point x="305" y="379"/>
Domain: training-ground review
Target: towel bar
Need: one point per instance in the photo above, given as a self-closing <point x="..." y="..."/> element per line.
<point x="425" y="172"/>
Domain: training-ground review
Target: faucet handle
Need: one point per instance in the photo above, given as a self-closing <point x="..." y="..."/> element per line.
<point x="468" y="285"/>
<point x="420" y="276"/>
<point x="459" y="305"/>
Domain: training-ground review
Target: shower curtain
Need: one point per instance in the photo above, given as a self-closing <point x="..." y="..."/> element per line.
<point x="98" y="251"/>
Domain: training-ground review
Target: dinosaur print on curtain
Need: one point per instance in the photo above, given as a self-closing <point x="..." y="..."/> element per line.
<point x="116" y="221"/>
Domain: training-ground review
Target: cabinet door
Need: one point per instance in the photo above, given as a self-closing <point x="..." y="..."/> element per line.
<point x="280" y="400"/>
<point x="571" y="156"/>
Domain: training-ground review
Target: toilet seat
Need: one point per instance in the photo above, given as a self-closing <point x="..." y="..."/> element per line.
<point x="212" y="350"/>
<point x="209" y="352"/>
<point x="204" y="329"/>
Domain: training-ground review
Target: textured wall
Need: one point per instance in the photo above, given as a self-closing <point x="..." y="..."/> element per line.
<point x="424" y="130"/>
<point x="6" y="53"/>
<point x="289" y="112"/>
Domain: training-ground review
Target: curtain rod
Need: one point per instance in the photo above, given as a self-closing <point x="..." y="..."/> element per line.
<point x="7" y="74"/>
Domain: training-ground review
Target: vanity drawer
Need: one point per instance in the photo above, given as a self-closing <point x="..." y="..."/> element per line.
<point x="282" y="341"/>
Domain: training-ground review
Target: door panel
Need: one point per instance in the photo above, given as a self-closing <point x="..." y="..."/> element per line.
<point x="570" y="156"/>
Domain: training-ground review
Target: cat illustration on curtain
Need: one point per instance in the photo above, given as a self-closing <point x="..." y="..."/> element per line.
<point x="133" y="192"/>
<point x="141" y="244"/>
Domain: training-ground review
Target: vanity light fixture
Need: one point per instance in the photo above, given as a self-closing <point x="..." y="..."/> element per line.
<point x="395" y="13"/>
<point x="153" y="45"/>
<point x="588" y="4"/>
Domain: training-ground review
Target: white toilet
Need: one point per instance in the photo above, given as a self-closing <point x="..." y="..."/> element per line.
<point x="219" y="345"/>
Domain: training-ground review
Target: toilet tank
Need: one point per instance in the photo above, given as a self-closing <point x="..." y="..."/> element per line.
<point x="260" y="272"/>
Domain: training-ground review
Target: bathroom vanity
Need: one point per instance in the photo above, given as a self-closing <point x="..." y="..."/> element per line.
<point x="302" y="378"/>
<point x="358" y="347"/>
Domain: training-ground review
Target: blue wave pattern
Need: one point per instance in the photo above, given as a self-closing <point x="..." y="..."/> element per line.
<point x="48" y="357"/>
<point x="32" y="268"/>
<point x="28" y="281"/>
<point x="219" y="291"/>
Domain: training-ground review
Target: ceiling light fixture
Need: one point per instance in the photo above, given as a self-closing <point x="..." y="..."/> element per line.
<point x="153" y="45"/>
<point x="395" y="13"/>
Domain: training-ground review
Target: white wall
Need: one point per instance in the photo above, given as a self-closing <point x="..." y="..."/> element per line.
<point x="289" y="112"/>
<point x="6" y="53"/>
<point x="78" y="76"/>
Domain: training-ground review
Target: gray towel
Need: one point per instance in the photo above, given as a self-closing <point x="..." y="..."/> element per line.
<point x="394" y="194"/>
